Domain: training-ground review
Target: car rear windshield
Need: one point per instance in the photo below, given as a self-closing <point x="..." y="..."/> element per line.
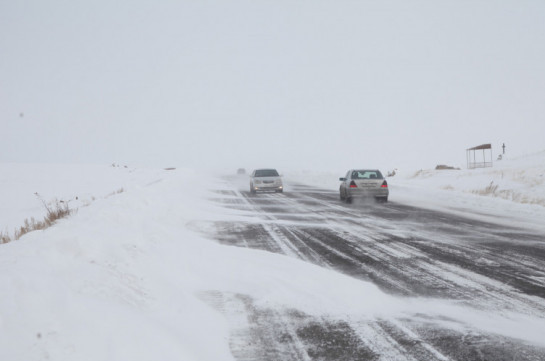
<point x="266" y="173"/>
<point x="366" y="174"/>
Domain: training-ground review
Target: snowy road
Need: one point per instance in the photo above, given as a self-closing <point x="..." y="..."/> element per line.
<point x="408" y="252"/>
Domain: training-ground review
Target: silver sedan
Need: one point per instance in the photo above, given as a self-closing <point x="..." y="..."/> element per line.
<point x="363" y="183"/>
<point x="266" y="180"/>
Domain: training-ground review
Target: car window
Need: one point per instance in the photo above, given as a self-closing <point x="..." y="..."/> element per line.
<point x="366" y="174"/>
<point x="266" y="173"/>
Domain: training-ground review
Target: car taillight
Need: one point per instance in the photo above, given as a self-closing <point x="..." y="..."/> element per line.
<point x="384" y="184"/>
<point x="353" y="185"/>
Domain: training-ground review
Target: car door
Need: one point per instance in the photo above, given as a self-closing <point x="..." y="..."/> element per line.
<point x="346" y="179"/>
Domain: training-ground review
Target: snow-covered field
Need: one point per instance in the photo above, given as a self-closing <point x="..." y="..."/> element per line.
<point x="123" y="277"/>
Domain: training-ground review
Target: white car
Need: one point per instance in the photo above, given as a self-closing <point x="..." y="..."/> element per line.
<point x="266" y="180"/>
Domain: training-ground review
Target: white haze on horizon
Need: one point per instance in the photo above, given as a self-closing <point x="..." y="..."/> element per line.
<point x="309" y="84"/>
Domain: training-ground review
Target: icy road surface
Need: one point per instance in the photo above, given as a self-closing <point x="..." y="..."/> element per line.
<point x="490" y="277"/>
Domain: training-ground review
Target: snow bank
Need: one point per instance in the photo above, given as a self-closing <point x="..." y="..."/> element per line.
<point x="521" y="180"/>
<point x="96" y="286"/>
<point x="513" y="191"/>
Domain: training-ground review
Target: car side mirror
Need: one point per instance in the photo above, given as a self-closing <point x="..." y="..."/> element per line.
<point x="342" y="179"/>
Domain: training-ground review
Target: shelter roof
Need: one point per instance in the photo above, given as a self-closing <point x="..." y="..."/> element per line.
<point x="482" y="146"/>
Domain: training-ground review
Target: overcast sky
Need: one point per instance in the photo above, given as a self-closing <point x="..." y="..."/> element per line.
<point x="287" y="84"/>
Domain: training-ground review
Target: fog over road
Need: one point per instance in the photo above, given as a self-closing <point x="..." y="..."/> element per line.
<point x="408" y="253"/>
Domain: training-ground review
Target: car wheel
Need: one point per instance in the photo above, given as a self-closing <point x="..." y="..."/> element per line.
<point x="341" y="195"/>
<point x="252" y="190"/>
<point x="348" y="200"/>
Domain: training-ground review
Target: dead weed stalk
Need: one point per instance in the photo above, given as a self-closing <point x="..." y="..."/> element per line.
<point x="60" y="209"/>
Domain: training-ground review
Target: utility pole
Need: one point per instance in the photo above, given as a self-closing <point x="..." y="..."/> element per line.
<point x="503" y="146"/>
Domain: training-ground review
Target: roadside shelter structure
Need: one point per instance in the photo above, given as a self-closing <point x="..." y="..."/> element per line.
<point x="477" y="156"/>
